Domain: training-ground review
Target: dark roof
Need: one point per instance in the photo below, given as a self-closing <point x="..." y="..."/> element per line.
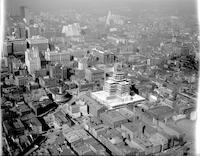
<point x="161" y="112"/>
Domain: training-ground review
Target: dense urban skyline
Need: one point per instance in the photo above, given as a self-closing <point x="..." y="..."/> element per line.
<point x="92" y="77"/>
<point x="182" y="6"/>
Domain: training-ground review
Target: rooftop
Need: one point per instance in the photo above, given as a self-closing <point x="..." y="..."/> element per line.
<point x="36" y="39"/>
<point x="161" y="112"/>
<point x="112" y="102"/>
<point x="133" y="127"/>
<point x="113" y="116"/>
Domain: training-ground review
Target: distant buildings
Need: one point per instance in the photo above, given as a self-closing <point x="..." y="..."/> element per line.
<point x="71" y="30"/>
<point x="32" y="60"/>
<point x="114" y="19"/>
<point x="132" y="107"/>
<point x="116" y="40"/>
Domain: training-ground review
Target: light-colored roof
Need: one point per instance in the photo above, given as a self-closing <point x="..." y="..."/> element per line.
<point x="102" y="97"/>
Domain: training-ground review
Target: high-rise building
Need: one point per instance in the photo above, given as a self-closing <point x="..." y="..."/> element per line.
<point x="14" y="46"/>
<point x="33" y="30"/>
<point x="10" y="64"/>
<point x="22" y="11"/>
<point x="110" y="87"/>
<point x="7" y="48"/>
<point x="38" y="41"/>
<point x="20" y="31"/>
<point x="28" y="15"/>
<point x="61" y="57"/>
<point x="19" y="46"/>
<point x="32" y="60"/>
<point x="117" y="84"/>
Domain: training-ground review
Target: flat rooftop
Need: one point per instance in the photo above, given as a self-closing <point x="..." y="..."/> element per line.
<point x="115" y="101"/>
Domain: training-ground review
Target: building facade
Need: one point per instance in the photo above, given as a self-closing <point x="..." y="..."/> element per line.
<point x="32" y="60"/>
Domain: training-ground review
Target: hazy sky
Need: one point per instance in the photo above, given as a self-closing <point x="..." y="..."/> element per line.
<point x="183" y="5"/>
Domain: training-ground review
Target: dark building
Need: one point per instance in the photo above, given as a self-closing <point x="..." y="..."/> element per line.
<point x="60" y="72"/>
<point x="22" y="11"/>
<point x="41" y="107"/>
<point x="7" y="50"/>
<point x="48" y="82"/>
<point x="15" y="127"/>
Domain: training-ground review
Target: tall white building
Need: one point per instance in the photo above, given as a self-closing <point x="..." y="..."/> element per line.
<point x="117" y="84"/>
<point x="116" y="91"/>
<point x="32" y="60"/>
<point x="72" y="30"/>
<point x="115" y="19"/>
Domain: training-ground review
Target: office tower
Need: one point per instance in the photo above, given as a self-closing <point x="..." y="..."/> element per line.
<point x="38" y="41"/>
<point x="14" y="46"/>
<point x="32" y="60"/>
<point x="61" y="57"/>
<point x="33" y="30"/>
<point x="22" y="11"/>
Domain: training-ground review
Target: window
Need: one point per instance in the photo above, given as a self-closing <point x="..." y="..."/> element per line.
<point x="143" y="129"/>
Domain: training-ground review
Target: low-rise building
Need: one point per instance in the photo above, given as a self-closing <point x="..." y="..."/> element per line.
<point x="61" y="118"/>
<point x="35" y="125"/>
<point x="21" y="80"/>
<point x="113" y="118"/>
<point x="41" y="107"/>
<point x="95" y="108"/>
<point x="95" y="75"/>
<point x="15" y="127"/>
<point x="48" y="82"/>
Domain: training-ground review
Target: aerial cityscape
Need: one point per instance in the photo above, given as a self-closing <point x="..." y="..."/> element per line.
<point x="91" y="77"/>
